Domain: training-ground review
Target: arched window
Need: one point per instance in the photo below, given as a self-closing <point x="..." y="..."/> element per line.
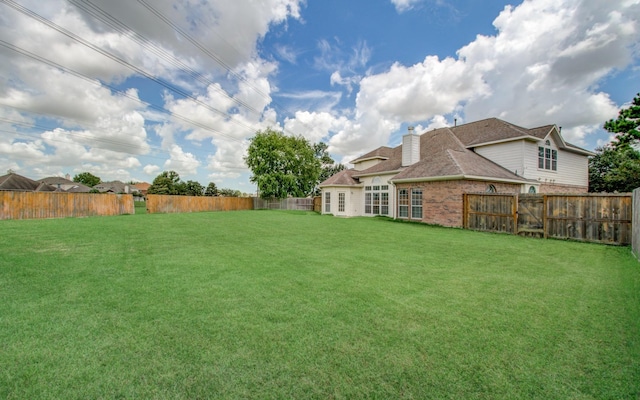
<point x="491" y="189"/>
<point x="532" y="189"/>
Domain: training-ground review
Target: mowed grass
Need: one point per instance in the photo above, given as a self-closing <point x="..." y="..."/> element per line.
<point x="292" y="305"/>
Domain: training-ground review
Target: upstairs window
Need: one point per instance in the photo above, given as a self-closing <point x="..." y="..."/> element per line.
<point x="547" y="157"/>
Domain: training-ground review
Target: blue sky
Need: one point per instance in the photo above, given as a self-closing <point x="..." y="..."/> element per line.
<point x="131" y="88"/>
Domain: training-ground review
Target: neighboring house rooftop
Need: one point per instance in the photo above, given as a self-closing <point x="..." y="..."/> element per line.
<point x="15" y="182"/>
<point x="66" y="184"/>
<point x="114" y="186"/>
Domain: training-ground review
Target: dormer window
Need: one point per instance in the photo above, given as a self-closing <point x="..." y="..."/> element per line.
<point x="547" y="157"/>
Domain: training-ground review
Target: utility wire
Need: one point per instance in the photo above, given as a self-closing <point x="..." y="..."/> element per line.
<point x="117" y="25"/>
<point x="214" y="56"/>
<point x="119" y="60"/>
<point x="124" y="93"/>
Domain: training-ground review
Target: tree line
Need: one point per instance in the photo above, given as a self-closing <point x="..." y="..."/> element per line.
<point x="616" y="165"/>
<point x="168" y="182"/>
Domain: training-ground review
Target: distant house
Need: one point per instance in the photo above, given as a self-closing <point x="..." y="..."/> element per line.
<point x="66" y="184"/>
<point x="425" y="177"/>
<point x="113" y="187"/>
<point x="141" y="187"/>
<point x="19" y="183"/>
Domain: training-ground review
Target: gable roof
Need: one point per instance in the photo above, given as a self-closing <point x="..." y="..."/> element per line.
<point x="382" y="153"/>
<point x="56" y="180"/>
<point x="16" y="182"/>
<point x="494" y="130"/>
<point x="342" y="178"/>
<point x="443" y="155"/>
<point x="114" y="186"/>
<point x="447" y="153"/>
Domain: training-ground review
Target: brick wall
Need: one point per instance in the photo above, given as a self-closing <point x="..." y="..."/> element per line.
<point x="442" y="200"/>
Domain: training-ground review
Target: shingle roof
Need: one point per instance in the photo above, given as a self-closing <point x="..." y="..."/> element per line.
<point x="380" y="152"/>
<point x="56" y="180"/>
<point x="442" y="154"/>
<point x="448" y="152"/>
<point x="488" y="131"/>
<point x="342" y="178"/>
<point x="17" y="182"/>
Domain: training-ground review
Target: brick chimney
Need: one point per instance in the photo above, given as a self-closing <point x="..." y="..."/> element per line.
<point x="410" y="148"/>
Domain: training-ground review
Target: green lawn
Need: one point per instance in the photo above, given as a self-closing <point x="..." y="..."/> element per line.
<point x="292" y="305"/>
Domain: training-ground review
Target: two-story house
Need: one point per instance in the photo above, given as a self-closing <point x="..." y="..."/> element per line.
<point x="425" y="177"/>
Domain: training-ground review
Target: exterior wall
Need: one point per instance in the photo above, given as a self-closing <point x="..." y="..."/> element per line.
<point x="361" y="166"/>
<point x="573" y="169"/>
<point x="510" y="155"/>
<point x="378" y="180"/>
<point x="521" y="157"/>
<point x="353" y="200"/>
<point x="442" y="202"/>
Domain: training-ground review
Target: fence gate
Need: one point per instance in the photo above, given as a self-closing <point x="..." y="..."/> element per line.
<point x="491" y="212"/>
<point x="597" y="218"/>
<point x="531" y="215"/>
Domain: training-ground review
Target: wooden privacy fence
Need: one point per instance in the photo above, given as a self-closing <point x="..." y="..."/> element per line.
<point x="32" y="205"/>
<point x="291" y="203"/>
<point x="599" y="218"/>
<point x="157" y="203"/>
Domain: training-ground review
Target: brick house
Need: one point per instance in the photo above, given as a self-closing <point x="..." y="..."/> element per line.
<point x="424" y="178"/>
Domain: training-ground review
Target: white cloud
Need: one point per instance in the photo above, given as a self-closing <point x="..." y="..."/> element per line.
<point x="182" y="162"/>
<point x="314" y="126"/>
<point x="151" y="170"/>
<point x="542" y="67"/>
<point x="545" y="63"/>
<point x="404" y="5"/>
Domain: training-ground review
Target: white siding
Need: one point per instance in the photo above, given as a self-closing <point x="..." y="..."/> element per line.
<point x="521" y="157"/>
<point x="380" y="180"/>
<point x="573" y="169"/>
<point x="510" y="155"/>
<point x="354" y="200"/>
<point x="361" y="166"/>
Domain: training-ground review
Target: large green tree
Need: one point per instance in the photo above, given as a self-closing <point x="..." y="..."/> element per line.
<point x="211" y="190"/>
<point x="614" y="170"/>
<point x="193" y="188"/>
<point x="168" y="182"/>
<point x="616" y="166"/>
<point x="329" y="167"/>
<point x="626" y="126"/>
<point x="87" y="179"/>
<point x="282" y="165"/>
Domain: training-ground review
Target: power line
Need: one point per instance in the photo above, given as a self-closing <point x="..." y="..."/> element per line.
<point x="119" y="60"/>
<point x="108" y="19"/>
<point x="70" y="71"/>
<point x="213" y="56"/>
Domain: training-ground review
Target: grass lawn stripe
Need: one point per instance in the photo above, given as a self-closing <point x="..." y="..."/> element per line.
<point x="273" y="304"/>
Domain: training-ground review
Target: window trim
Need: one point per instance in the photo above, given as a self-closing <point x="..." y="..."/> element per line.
<point x="403" y="203"/>
<point x="342" y="199"/>
<point x="416" y="206"/>
<point x="547" y="158"/>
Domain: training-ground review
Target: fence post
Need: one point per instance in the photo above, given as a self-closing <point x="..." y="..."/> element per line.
<point x="514" y="209"/>
<point x="545" y="222"/>
<point x="465" y="211"/>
